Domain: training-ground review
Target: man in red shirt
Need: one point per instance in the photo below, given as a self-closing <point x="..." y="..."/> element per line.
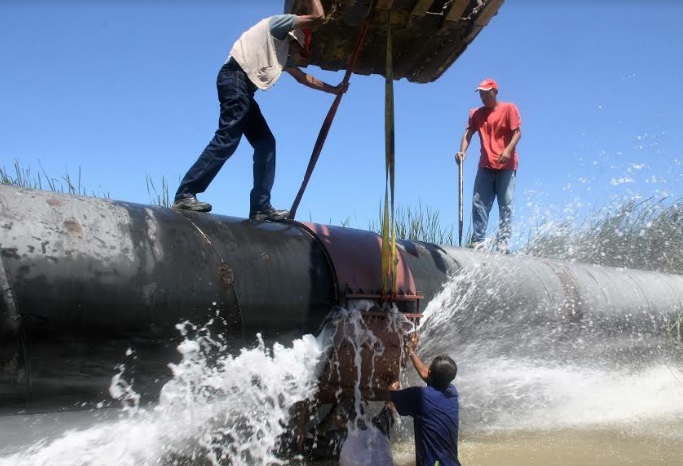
<point x="499" y="127"/>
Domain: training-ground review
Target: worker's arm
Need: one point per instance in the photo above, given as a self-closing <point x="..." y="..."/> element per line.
<point x="510" y="148"/>
<point x="420" y="367"/>
<point x="309" y="81"/>
<point x="464" y="144"/>
<point x="313" y="19"/>
<point x="385" y="395"/>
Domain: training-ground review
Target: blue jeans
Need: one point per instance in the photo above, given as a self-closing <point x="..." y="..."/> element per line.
<point x="239" y="115"/>
<point x="489" y="185"/>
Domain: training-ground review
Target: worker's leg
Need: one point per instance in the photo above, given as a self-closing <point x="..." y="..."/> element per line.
<point x="482" y="201"/>
<point x="235" y="99"/>
<point x="505" y="189"/>
<point x="261" y="138"/>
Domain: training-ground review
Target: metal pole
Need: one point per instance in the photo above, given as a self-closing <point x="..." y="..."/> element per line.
<point x="460" y="202"/>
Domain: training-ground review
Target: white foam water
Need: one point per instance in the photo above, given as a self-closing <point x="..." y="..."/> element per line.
<point x="218" y="408"/>
<point x="227" y="410"/>
<point x="512" y="389"/>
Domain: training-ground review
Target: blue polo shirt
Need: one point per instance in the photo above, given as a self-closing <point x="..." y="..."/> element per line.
<point x="436" y="416"/>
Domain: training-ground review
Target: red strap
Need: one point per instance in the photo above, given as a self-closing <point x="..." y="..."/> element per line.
<point x="306" y="52"/>
<point x="325" y="129"/>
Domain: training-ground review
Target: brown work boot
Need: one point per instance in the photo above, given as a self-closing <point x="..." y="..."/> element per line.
<point x="270" y="213"/>
<point x="191" y="203"/>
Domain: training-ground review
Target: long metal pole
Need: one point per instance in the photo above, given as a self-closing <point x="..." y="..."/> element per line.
<point x="460" y="202"/>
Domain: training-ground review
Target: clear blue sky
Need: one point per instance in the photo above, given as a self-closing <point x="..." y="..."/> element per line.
<point x="124" y="89"/>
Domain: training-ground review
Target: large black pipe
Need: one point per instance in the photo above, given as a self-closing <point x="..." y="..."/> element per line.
<point x="84" y="280"/>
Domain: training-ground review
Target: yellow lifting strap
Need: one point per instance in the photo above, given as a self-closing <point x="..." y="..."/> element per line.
<point x="389" y="258"/>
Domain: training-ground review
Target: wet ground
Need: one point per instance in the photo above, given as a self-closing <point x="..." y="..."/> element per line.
<point x="604" y="447"/>
<point x="643" y="445"/>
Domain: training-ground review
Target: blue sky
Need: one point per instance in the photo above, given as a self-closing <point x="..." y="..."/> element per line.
<point x="121" y="89"/>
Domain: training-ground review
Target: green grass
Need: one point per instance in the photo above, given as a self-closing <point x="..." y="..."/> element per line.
<point x="161" y="197"/>
<point x="645" y="235"/>
<point x="25" y="178"/>
<point x="420" y="224"/>
<point x="676" y="329"/>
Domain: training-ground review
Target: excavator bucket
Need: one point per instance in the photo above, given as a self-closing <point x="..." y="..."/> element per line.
<point x="428" y="35"/>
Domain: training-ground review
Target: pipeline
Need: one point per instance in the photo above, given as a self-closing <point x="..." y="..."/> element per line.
<point x="85" y="280"/>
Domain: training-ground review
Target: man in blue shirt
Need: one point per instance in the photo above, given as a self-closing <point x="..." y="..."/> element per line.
<point x="434" y="408"/>
<point x="256" y="62"/>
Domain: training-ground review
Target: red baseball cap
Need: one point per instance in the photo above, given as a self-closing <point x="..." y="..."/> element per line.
<point x="487" y="85"/>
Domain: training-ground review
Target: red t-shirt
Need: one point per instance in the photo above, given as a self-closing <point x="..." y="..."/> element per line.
<point x="495" y="127"/>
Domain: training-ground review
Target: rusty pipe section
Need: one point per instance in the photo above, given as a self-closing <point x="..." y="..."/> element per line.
<point x="87" y="281"/>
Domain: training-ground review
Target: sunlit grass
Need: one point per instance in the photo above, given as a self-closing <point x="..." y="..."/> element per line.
<point x="161" y="197"/>
<point x="645" y="235"/>
<point x="23" y="177"/>
<point x="421" y="223"/>
<point x="676" y="329"/>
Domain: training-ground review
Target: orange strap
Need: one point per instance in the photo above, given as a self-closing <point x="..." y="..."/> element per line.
<point x="325" y="129"/>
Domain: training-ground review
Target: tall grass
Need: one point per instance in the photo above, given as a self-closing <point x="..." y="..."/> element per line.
<point x="676" y="329"/>
<point x="24" y="178"/>
<point x="645" y="235"/>
<point x="160" y="198"/>
<point x="419" y="224"/>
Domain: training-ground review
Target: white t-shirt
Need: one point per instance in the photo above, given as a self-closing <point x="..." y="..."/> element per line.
<point x="369" y="447"/>
<point x="261" y="54"/>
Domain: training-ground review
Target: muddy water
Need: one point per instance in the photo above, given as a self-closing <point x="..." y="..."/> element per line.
<point x="644" y="444"/>
<point x="585" y="447"/>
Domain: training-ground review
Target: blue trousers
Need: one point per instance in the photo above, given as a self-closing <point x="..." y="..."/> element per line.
<point x="239" y="115"/>
<point x="489" y="185"/>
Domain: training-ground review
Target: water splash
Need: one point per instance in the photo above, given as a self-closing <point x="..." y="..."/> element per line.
<point x="220" y="408"/>
<point x="216" y="410"/>
<point x="520" y="368"/>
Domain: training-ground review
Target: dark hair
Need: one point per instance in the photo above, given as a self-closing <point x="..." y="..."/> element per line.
<point x="442" y="371"/>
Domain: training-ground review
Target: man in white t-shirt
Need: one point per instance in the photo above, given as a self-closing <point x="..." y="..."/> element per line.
<point x="256" y="61"/>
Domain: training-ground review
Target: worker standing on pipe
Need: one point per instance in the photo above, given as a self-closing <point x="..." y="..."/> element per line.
<point x="499" y="127"/>
<point x="256" y="61"/>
